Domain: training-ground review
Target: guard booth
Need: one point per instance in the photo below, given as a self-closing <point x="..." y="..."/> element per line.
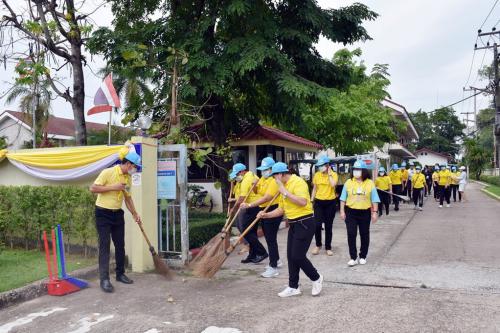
<point x="172" y="182"/>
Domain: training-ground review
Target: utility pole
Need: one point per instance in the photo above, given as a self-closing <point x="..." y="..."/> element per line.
<point x="468" y="129"/>
<point x="475" y="108"/>
<point x="496" y="127"/>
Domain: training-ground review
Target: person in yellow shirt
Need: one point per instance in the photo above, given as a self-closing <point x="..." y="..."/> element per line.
<point x="236" y="194"/>
<point x="113" y="187"/>
<point x="418" y="184"/>
<point x="455" y="179"/>
<point x="248" y="212"/>
<point x="405" y="180"/>
<point x="295" y="204"/>
<point x="435" y="182"/>
<point x="323" y="195"/>
<point x="358" y="208"/>
<point x="383" y="182"/>
<point x="267" y="188"/>
<point x="397" y="184"/>
<point x="444" y="186"/>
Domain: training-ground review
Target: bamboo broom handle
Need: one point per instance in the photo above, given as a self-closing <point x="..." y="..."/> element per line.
<point x="229" y="203"/>
<point x="229" y="224"/>
<point x="247" y="230"/>
<point x="397" y="195"/>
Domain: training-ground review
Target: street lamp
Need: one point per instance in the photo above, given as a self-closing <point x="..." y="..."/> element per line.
<point x="144" y="122"/>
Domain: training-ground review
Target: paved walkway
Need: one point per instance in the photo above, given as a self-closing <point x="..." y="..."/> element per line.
<point x="429" y="271"/>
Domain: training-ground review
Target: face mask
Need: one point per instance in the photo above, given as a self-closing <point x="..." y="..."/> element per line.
<point x="322" y="168"/>
<point x="380" y="173"/>
<point x="132" y="171"/>
<point x="266" y="173"/>
<point x="443" y="169"/>
<point x="356" y="173"/>
<point x="239" y="178"/>
<point x="418" y="171"/>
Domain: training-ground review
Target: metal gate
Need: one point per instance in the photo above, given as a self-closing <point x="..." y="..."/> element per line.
<point x="173" y="232"/>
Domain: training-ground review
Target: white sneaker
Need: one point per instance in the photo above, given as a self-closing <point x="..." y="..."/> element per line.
<point x="448" y="206"/>
<point x="352" y="263"/>
<point x="420" y="209"/>
<point x="288" y="292"/>
<point x="317" y="286"/>
<point x="440" y="206"/>
<point x="362" y="261"/>
<point x="270" y="272"/>
<point x="415" y="208"/>
<point x="280" y="263"/>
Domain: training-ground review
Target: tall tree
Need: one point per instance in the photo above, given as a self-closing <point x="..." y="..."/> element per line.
<point x="56" y="31"/>
<point x="440" y="130"/>
<point x="245" y="60"/>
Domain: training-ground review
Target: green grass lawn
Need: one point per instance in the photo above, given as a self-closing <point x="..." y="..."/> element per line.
<point x="20" y="267"/>
<point x="493" y="189"/>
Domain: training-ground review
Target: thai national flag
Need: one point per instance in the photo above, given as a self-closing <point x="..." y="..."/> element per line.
<point x="105" y="98"/>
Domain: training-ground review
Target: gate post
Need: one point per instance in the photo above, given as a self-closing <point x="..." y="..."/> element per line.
<point x="144" y="188"/>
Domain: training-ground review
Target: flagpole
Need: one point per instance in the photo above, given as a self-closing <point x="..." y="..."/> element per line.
<point x="109" y="130"/>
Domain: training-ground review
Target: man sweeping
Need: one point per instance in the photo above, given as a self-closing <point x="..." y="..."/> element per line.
<point x="112" y="188"/>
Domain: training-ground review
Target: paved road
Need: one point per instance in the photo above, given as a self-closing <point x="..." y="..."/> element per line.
<point x="452" y="252"/>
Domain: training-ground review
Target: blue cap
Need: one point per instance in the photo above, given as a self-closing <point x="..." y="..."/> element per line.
<point x="403" y="164"/>
<point x="279" y="167"/>
<point x="381" y="169"/>
<point x="395" y="167"/>
<point x="359" y="164"/>
<point x="133" y="158"/>
<point x="322" y="160"/>
<point x="418" y="167"/>
<point x="267" y="163"/>
<point x="232" y="175"/>
<point x="453" y="168"/>
<point x="238" y="167"/>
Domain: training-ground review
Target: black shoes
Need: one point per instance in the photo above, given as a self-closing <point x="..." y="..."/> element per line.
<point x="258" y="259"/>
<point x="124" y="279"/>
<point x="248" y="260"/>
<point x="106" y="286"/>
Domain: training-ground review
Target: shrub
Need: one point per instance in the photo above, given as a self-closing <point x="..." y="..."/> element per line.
<point x="495" y="180"/>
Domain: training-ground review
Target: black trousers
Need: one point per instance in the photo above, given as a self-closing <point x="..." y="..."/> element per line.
<point x="324" y="213"/>
<point x="454" y="190"/>
<point x="270" y="228"/>
<point x="444" y="194"/>
<point x="436" y="191"/>
<point x="429" y="188"/>
<point x="418" y="197"/>
<point x="358" y="219"/>
<point x="110" y="225"/>
<point x="396" y="189"/>
<point x="385" y="200"/>
<point x="407" y="190"/>
<point x="300" y="235"/>
<point x="247" y="216"/>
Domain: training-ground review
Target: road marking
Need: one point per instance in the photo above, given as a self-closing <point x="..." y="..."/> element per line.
<point x="153" y="330"/>
<point x="215" y="329"/>
<point x="87" y="322"/>
<point x="27" y="319"/>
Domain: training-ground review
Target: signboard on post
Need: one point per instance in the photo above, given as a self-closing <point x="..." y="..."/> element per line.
<point x="167" y="179"/>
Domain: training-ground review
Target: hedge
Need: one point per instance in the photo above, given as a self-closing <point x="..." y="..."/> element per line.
<point x="25" y="211"/>
<point x="495" y="180"/>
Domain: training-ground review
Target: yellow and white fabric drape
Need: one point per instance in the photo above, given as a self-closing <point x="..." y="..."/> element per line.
<point x="66" y="164"/>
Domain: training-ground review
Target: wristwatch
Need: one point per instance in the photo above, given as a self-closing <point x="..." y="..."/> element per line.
<point x="285" y="195"/>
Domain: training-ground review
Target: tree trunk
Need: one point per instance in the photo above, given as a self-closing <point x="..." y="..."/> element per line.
<point x="78" y="100"/>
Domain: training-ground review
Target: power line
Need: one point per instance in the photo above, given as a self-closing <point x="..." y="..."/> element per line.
<point x="491" y="10"/>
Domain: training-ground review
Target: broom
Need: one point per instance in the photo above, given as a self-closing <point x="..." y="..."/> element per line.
<point x="402" y="197"/>
<point x="160" y="266"/>
<point x="214" y="241"/>
<point x="216" y="257"/>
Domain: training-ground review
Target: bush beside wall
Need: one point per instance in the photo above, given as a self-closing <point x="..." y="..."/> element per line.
<point x="495" y="180"/>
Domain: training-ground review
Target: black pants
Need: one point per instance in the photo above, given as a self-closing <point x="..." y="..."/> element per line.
<point x="247" y="216"/>
<point x="429" y="188"/>
<point x="444" y="194"/>
<point x="407" y="190"/>
<point x="358" y="218"/>
<point x="418" y="197"/>
<point x="436" y="191"/>
<point x="454" y="190"/>
<point x="300" y="235"/>
<point x="396" y="189"/>
<point x="110" y="225"/>
<point x="270" y="228"/>
<point x="324" y="212"/>
<point x="385" y="200"/>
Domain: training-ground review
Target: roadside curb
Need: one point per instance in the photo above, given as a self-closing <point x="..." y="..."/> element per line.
<point x="39" y="288"/>
<point x="488" y="193"/>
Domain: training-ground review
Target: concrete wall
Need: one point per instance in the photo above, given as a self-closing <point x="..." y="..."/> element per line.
<point x="430" y="159"/>
<point x="14" y="133"/>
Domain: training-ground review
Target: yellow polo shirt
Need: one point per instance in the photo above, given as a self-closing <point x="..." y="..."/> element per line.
<point x="383" y="183"/>
<point x="444" y="176"/>
<point x="268" y="186"/>
<point x="297" y="186"/>
<point x="418" y="180"/>
<point x="324" y="190"/>
<point x="246" y="186"/>
<point x="435" y="176"/>
<point x="405" y="175"/>
<point x="454" y="177"/>
<point x="112" y="176"/>
<point x="396" y="177"/>
<point x="359" y="195"/>
<point x="237" y="190"/>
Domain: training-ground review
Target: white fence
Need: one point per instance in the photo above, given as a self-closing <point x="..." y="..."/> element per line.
<point x="492" y="172"/>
